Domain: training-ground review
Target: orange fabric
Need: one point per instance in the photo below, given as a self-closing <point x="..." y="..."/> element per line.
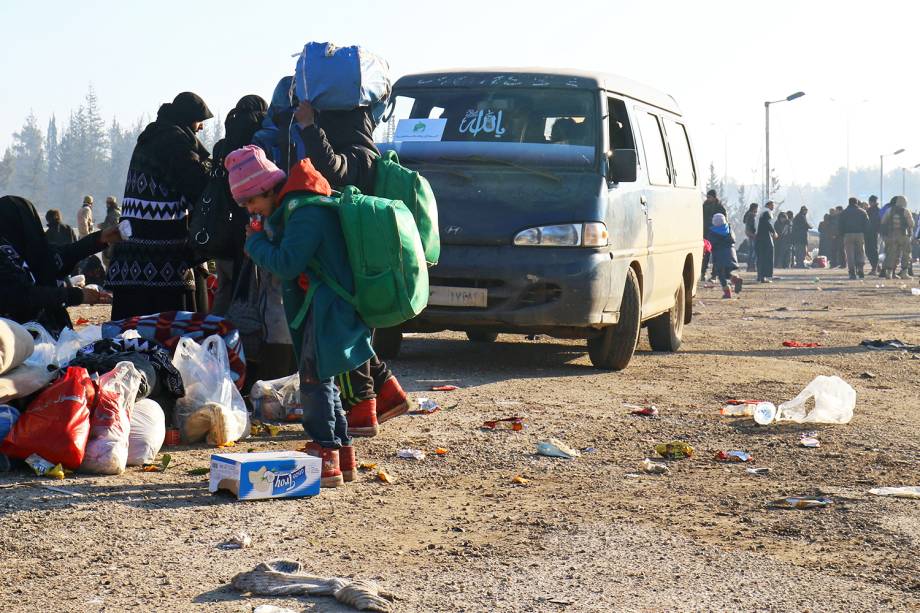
<point x="304" y="177"/>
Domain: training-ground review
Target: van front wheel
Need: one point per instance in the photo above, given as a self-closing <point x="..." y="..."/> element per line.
<point x="666" y="331"/>
<point x="614" y="348"/>
<point x="482" y="336"/>
<point x="387" y="342"/>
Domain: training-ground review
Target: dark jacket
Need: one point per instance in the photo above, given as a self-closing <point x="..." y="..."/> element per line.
<point x="710" y="208"/>
<point x="722" y="240"/>
<point x="167" y="173"/>
<point x="765" y="229"/>
<point x="33" y="272"/>
<point x="875" y="219"/>
<point x="341" y="146"/>
<point x="800" y="228"/>
<point x="750" y="223"/>
<point x="60" y="234"/>
<point x="853" y="220"/>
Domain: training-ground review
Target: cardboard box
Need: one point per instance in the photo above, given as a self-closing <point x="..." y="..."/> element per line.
<point x="268" y="474"/>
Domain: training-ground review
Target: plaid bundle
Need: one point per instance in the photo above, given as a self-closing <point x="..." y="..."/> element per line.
<point x="168" y="327"/>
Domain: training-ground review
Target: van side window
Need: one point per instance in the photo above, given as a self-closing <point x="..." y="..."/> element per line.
<point x="656" y="160"/>
<point x="681" y="156"/>
<point x="621" y="136"/>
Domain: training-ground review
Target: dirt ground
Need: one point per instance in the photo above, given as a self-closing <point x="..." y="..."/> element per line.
<point x="453" y="533"/>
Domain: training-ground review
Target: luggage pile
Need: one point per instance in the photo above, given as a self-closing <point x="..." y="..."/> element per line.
<point x="100" y="400"/>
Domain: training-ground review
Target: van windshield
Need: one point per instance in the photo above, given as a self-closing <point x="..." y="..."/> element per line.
<point x="531" y="127"/>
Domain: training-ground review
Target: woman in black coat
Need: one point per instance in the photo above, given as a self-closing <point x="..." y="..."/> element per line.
<point x="763" y="244"/>
<point x="34" y="274"/>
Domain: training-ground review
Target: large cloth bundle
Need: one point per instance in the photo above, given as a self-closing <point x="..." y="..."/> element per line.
<point x="168" y="327"/>
<point x="342" y="78"/>
<point x="16" y="345"/>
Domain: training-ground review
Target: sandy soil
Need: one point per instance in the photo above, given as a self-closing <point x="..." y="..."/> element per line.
<point x="453" y="533"/>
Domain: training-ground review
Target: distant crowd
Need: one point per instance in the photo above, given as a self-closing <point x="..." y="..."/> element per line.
<point x="887" y="238"/>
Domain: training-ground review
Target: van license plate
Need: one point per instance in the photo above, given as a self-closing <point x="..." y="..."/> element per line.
<point x="458" y="296"/>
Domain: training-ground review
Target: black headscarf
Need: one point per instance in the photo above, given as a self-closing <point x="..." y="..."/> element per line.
<point x="21" y="226"/>
<point x="243" y="121"/>
<point x="185" y="109"/>
<point x="348" y="128"/>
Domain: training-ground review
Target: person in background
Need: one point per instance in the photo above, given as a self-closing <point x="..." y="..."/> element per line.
<point x="711" y="206"/>
<point x="151" y="272"/>
<point x="58" y="233"/>
<point x="897" y="227"/>
<point x="854" y="222"/>
<point x="85" y="223"/>
<point x="839" y="251"/>
<point x="341" y="146"/>
<point x="724" y="259"/>
<point x="872" y="231"/>
<point x="35" y="274"/>
<point x="765" y="234"/>
<point x="112" y="217"/>
<point x="750" y="231"/>
<point x="799" y="237"/>
<point x="783" y="231"/>
<point x="331" y="338"/>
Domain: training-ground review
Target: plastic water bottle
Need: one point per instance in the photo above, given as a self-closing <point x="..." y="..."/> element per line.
<point x="764" y="413"/>
<point x="745" y="409"/>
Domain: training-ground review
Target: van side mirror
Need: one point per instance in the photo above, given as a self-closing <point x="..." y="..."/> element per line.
<point x="621" y="165"/>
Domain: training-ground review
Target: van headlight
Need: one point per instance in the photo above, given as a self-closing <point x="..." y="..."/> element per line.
<point x="592" y="234"/>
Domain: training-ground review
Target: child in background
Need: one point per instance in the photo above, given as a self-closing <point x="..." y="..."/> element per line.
<point x="724" y="259"/>
<point x="330" y="339"/>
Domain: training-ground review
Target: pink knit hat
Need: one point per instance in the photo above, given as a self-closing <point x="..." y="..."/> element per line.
<point x="251" y="173"/>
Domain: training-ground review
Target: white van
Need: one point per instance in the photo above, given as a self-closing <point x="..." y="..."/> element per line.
<point x="568" y="205"/>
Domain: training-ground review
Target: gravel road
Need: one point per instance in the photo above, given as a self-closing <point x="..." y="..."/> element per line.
<point x="454" y="533"/>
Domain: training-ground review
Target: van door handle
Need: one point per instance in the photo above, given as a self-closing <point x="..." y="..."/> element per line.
<point x="643" y="201"/>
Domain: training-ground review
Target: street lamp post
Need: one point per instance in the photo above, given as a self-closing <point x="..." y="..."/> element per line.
<point x="881" y="182"/>
<point x="904" y="170"/>
<point x="847" y="107"/>
<point x="766" y="173"/>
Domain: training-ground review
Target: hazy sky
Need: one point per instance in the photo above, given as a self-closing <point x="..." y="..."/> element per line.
<point x="720" y="59"/>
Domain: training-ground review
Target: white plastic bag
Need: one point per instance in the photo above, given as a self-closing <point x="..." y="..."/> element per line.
<point x="834" y="401"/>
<point x="148" y="431"/>
<point x="277" y="399"/>
<point x="44" y="350"/>
<point x="110" y="422"/>
<point x="212" y="406"/>
<point x="61" y="351"/>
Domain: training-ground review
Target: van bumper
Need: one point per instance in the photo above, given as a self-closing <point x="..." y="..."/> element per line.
<point x="529" y="289"/>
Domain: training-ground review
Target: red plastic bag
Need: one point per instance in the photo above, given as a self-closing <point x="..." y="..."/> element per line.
<point x="800" y="345"/>
<point x="56" y="424"/>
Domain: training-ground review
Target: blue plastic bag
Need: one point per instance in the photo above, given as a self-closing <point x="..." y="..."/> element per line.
<point x="8" y="417"/>
<point x="342" y="78"/>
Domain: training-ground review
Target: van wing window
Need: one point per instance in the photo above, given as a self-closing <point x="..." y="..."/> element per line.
<point x="681" y="156"/>
<point x="656" y="160"/>
<point x="621" y="135"/>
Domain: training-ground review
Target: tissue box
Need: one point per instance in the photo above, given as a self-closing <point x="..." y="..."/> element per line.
<point x="270" y="474"/>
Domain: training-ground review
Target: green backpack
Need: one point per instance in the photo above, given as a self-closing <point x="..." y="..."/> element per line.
<point x="385" y="253"/>
<point x="397" y="182"/>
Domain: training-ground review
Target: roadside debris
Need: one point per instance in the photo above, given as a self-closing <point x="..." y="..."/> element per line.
<point x="810" y="440"/>
<point x="519" y="480"/>
<point x="411" y="454"/>
<point x="734" y="455"/>
<point x="760" y="472"/>
<point x="906" y="491"/>
<point x="800" y="345"/>
<point x="426" y="406"/>
<point x="384" y="477"/>
<point x="240" y="540"/>
<point x="265" y="429"/>
<point x="915" y="291"/>
<point x="654" y="468"/>
<point x="505" y="423"/>
<point x="834" y="401"/>
<point x="444" y="388"/>
<point x="739" y="408"/>
<point x="441" y="451"/>
<point x="367" y="466"/>
<point x="868" y="375"/>
<point x="44" y="468"/>
<point x="641" y="411"/>
<point x="890" y="344"/>
<point x="554" y="448"/>
<point x="675" y="450"/>
<point x="802" y="502"/>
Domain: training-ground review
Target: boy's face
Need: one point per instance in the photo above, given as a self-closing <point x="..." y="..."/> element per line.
<point x="263" y="204"/>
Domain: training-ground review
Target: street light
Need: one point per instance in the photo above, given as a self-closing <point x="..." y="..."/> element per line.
<point x="881" y="186"/>
<point x="848" y="105"/>
<point x="766" y="106"/>
<point x="904" y="178"/>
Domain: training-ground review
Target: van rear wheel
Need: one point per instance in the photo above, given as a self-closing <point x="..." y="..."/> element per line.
<point x="666" y="331"/>
<point x="614" y="348"/>
<point x="482" y="336"/>
<point x="387" y="342"/>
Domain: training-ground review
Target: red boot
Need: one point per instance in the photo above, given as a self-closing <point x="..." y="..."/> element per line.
<point x="362" y="418"/>
<point x="332" y="473"/>
<point x="347" y="463"/>
<point x="392" y="401"/>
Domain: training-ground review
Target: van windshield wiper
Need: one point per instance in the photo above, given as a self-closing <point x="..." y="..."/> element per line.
<point x="448" y="171"/>
<point x="489" y="160"/>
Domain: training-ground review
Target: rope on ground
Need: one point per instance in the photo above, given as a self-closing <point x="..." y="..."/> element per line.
<point x="287" y="578"/>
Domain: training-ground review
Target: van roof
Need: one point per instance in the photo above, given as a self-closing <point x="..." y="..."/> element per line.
<point x="540" y="77"/>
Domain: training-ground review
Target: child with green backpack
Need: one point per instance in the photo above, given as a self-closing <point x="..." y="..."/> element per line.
<point x="329" y="336"/>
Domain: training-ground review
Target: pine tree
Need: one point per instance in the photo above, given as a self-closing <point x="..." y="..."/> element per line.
<point x="6" y="170"/>
<point x="28" y="175"/>
<point x="51" y="148"/>
<point x="714" y="183"/>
